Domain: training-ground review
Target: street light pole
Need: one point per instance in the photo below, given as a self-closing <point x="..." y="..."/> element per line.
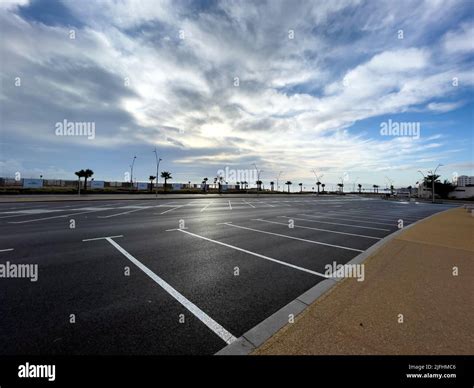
<point x="131" y="171"/>
<point x="318" y="178"/>
<point x="158" y="160"/>
<point x="278" y="179"/>
<point x="258" y="178"/>
<point x="354" y="184"/>
<point x="433" y="183"/>
<point x="423" y="185"/>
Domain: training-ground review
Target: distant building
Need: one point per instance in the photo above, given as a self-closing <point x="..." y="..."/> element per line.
<point x="464" y="187"/>
<point x="464" y="181"/>
<point x="424" y="191"/>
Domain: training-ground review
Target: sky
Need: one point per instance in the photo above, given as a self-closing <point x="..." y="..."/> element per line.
<point x="296" y="88"/>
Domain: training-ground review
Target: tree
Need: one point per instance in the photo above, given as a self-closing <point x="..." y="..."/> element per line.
<point x="443" y="189"/>
<point x="87" y="174"/>
<point x="341" y="187"/>
<point x="80" y="174"/>
<point x="151" y="178"/>
<point x="360" y="187"/>
<point x="259" y="185"/>
<point x="391" y="189"/>
<point x="204" y="184"/>
<point x="238" y="184"/>
<point x="376" y="188"/>
<point x="289" y="183"/>
<point x="166" y="175"/>
<point x="272" y="185"/>
<point x="428" y="182"/>
<point x="323" y="185"/>
<point x="318" y="183"/>
<point x="301" y="187"/>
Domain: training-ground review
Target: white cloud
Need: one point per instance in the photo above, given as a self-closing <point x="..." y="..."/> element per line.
<point x="461" y="40"/>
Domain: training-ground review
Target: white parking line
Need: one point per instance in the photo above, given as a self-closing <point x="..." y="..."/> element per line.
<point x="120" y="214"/>
<point x="50" y="218"/>
<point x="374" y="216"/>
<point x="335" y="223"/>
<point x="230" y="206"/>
<point x="248" y="203"/>
<point x="322" y="230"/>
<point x="295" y="238"/>
<point x="102" y="238"/>
<point x="170" y="210"/>
<point x="346" y="219"/>
<point x="205" y="207"/>
<point x="196" y="311"/>
<point x="6" y="250"/>
<point x="256" y="254"/>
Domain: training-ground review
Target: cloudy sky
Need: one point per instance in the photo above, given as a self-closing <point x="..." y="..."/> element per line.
<point x="289" y="85"/>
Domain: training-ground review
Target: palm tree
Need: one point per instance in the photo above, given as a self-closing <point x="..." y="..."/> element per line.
<point x="166" y="175"/>
<point x="391" y="189"/>
<point x="375" y="188"/>
<point x="323" y="185"/>
<point x="87" y="174"/>
<point x="272" y="184"/>
<point x="259" y="185"/>
<point x="151" y="178"/>
<point x="318" y="183"/>
<point x="204" y="183"/>
<point x="360" y="187"/>
<point x="79" y="174"/>
<point x="289" y="183"/>
<point x="237" y="184"/>
<point x="301" y="187"/>
<point x="341" y="187"/>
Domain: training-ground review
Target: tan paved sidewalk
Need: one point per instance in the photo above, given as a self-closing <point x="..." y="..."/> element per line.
<point x="411" y="275"/>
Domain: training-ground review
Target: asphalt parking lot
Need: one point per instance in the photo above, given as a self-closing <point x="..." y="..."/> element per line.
<point x="184" y="276"/>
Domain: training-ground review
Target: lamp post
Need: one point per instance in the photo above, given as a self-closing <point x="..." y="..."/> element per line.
<point x="318" y="178"/>
<point x="258" y="177"/>
<point x="433" y="183"/>
<point x="354" y="184"/>
<point x="131" y="171"/>
<point x="278" y="179"/>
<point x="391" y="184"/>
<point x="423" y="184"/>
<point x="158" y="160"/>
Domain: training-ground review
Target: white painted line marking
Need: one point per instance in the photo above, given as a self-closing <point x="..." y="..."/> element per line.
<point x="170" y="210"/>
<point x="374" y="216"/>
<point x="6" y="250"/>
<point x="256" y="254"/>
<point x="322" y="230"/>
<point x="296" y="238"/>
<point x="244" y="201"/>
<point x="345" y="219"/>
<point x="223" y="223"/>
<point x="172" y="230"/>
<point x="230" y="206"/>
<point x="205" y="207"/>
<point x="120" y="214"/>
<point x="102" y="238"/>
<point x="196" y="311"/>
<point x="50" y="218"/>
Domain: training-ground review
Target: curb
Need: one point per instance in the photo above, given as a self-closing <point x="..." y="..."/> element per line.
<point x="260" y="333"/>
